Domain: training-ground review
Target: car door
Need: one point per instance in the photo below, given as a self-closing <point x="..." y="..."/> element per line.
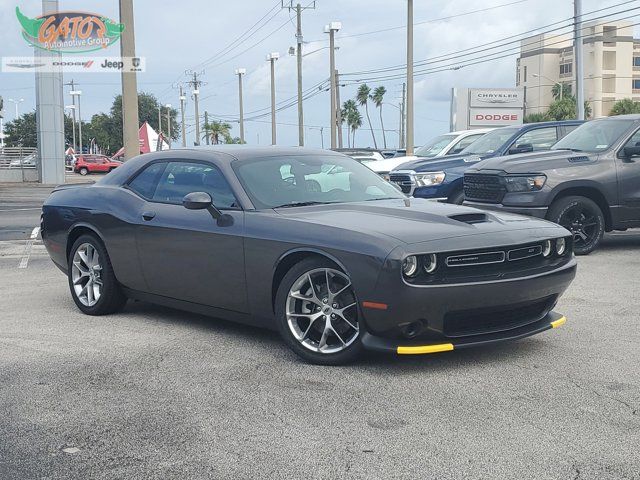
<point x="103" y="163"/>
<point x="185" y="254"/>
<point x="629" y="182"/>
<point x="535" y="140"/>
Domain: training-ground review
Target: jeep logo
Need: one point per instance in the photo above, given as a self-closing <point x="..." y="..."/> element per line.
<point x="109" y="64"/>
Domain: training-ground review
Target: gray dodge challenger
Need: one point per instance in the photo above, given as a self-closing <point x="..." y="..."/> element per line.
<point x="308" y="242"/>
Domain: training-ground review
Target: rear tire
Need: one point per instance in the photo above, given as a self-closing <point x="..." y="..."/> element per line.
<point x="583" y="218"/>
<point x="92" y="282"/>
<point x="319" y="321"/>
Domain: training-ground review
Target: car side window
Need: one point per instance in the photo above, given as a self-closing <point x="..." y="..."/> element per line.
<point x="145" y="183"/>
<point x="634" y="141"/>
<point x="181" y="178"/>
<point x="539" y="139"/>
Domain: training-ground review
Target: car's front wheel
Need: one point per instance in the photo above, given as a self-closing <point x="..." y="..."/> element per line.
<point x="93" y="284"/>
<point x="83" y="171"/>
<point x="317" y="313"/>
<point x="583" y="218"/>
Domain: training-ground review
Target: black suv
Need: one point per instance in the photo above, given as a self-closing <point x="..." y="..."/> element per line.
<point x="589" y="182"/>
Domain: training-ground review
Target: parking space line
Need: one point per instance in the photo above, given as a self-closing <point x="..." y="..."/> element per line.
<point x="24" y="261"/>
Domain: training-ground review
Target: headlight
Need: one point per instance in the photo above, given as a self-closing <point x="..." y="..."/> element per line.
<point x="546" y="248"/>
<point x="525" y="183"/>
<point x="561" y="246"/>
<point x="429" y="179"/>
<point x="410" y="266"/>
<point x="430" y="263"/>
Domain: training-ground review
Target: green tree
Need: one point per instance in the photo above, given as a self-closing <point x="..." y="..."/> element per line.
<point x="354" y="120"/>
<point x="147" y="112"/>
<point x="624" y="107"/>
<point x="22" y="131"/>
<point x="377" y="97"/>
<point x="217" y="131"/>
<point x="565" y="88"/>
<point x="362" y="97"/>
<point x="565" y="109"/>
<point x="536" y="117"/>
<point x="347" y="108"/>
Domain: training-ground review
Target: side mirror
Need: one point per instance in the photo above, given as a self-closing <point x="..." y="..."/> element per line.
<point x="203" y="201"/>
<point x="522" y="148"/>
<point x="631" y="151"/>
<point x="197" y="201"/>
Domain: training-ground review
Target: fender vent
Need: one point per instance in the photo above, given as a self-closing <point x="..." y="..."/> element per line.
<point x="469" y="218"/>
<point x="578" y="159"/>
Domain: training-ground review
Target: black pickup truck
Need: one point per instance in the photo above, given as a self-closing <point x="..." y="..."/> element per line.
<point x="589" y="182"/>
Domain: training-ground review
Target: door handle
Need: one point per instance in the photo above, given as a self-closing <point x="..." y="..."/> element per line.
<point x="148" y="215"/>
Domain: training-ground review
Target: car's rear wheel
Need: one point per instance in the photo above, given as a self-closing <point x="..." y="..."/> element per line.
<point x="83" y="171"/>
<point x="583" y="218"/>
<point x="317" y="313"/>
<point x="93" y="285"/>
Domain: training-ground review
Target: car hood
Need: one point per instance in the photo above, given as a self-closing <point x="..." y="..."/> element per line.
<point x="439" y="164"/>
<point x="536" y="162"/>
<point x="417" y="220"/>
<point x="384" y="166"/>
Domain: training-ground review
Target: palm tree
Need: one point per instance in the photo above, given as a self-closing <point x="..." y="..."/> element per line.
<point x="348" y="107"/>
<point x="559" y="88"/>
<point x="217" y="130"/>
<point x="362" y="96"/>
<point x="354" y="121"/>
<point x="377" y="97"/>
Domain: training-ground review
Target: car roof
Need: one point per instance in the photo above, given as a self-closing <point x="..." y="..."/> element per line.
<point x="246" y="152"/>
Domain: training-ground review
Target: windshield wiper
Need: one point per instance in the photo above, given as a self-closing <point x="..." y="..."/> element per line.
<point x="301" y="204"/>
<point x="570" y="149"/>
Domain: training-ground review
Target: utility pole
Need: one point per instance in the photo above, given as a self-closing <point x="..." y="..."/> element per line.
<point x="206" y="125"/>
<point x="402" y="116"/>
<point x="272" y="57"/>
<point x="73" y="113"/>
<point x="578" y="58"/>
<point x="338" y="110"/>
<point x="195" y="85"/>
<point x="130" y="117"/>
<point x="77" y="93"/>
<point x="169" y="125"/>
<point x="298" y="8"/>
<point x="184" y="133"/>
<point x="240" y="72"/>
<point x="159" y="119"/>
<point x="331" y="29"/>
<point x="409" y="133"/>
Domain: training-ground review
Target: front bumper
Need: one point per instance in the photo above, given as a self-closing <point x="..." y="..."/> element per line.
<point x="371" y="342"/>
<point x="538" y="212"/>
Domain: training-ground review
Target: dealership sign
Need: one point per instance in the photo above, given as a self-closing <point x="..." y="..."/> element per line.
<point x="486" y="107"/>
<point x="494" y="117"/>
<point x="70" y="32"/>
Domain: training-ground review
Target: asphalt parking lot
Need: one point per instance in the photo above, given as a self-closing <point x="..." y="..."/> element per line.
<point x="158" y="393"/>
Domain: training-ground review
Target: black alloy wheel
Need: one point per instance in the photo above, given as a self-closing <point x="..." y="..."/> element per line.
<point x="583" y="218"/>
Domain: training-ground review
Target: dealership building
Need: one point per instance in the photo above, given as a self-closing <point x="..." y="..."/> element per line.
<point x="611" y="66"/>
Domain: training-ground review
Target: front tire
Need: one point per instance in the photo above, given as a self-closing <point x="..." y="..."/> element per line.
<point x="93" y="285"/>
<point x="583" y="218"/>
<point x="317" y="313"/>
<point x="83" y="171"/>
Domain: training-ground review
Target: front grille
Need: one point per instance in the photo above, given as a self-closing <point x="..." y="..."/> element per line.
<point x="465" y="323"/>
<point x="484" y="188"/>
<point x="404" y="181"/>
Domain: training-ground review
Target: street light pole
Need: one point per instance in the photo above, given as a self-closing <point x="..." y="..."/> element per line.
<point x="184" y="133"/>
<point x="240" y="72"/>
<point x="299" y="64"/>
<point x="272" y="57"/>
<point x="73" y="123"/>
<point x="77" y="93"/>
<point x="578" y="58"/>
<point x="409" y="132"/>
<point x="16" y="103"/>
<point x="331" y="29"/>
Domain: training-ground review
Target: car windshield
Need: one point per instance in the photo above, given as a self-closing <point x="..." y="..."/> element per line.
<point x="490" y="142"/>
<point x="594" y="136"/>
<point x="291" y="181"/>
<point x="435" y="146"/>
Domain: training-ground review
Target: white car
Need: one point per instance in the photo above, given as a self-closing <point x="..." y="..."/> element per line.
<point x="440" y="146"/>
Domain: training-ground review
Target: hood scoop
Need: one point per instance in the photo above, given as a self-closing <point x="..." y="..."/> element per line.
<point x="578" y="159"/>
<point x="469" y="218"/>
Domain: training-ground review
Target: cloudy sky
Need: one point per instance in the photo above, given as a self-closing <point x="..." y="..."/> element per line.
<point x="191" y="34"/>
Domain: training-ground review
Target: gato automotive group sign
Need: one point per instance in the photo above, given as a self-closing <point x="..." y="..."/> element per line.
<point x="70" y="32"/>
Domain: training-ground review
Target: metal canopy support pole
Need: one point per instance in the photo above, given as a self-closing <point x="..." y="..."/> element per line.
<point x="50" y="115"/>
<point x="130" y="116"/>
<point x="409" y="77"/>
<point x="578" y="57"/>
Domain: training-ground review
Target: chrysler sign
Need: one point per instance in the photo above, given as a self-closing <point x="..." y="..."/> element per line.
<point x="507" y="98"/>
